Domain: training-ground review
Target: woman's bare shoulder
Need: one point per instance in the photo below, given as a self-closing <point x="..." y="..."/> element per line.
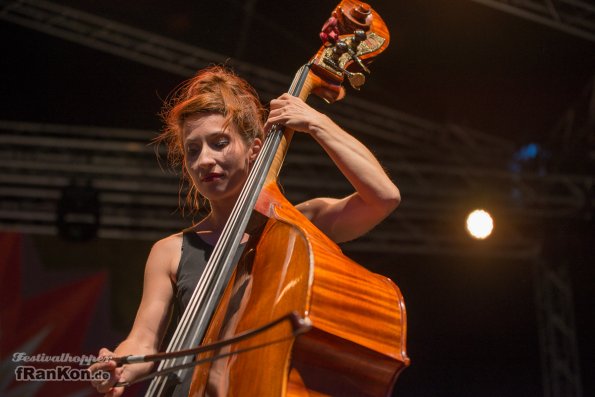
<point x="166" y="253"/>
<point x="172" y="242"/>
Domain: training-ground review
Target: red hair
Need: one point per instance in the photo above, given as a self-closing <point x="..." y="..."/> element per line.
<point x="215" y="89"/>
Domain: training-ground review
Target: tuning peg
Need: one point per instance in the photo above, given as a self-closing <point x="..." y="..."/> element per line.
<point x="340" y="48"/>
<point x="360" y="63"/>
<point x="359" y="36"/>
<point x="355" y="79"/>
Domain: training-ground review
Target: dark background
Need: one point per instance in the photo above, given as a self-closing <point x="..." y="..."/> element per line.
<point x="472" y="320"/>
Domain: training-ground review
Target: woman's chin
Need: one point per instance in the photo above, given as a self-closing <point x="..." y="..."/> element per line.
<point x="217" y="193"/>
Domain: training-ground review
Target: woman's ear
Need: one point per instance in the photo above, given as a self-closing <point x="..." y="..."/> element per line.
<point x="255" y="149"/>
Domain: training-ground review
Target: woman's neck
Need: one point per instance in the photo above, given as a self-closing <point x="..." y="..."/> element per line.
<point x="219" y="214"/>
<point x="211" y="227"/>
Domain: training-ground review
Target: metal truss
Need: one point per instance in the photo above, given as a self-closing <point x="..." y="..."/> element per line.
<point x="575" y="17"/>
<point x="557" y="331"/>
<point x="124" y="41"/>
<point x="138" y="199"/>
<point x="574" y="134"/>
<point x="440" y="168"/>
<point x="574" y="139"/>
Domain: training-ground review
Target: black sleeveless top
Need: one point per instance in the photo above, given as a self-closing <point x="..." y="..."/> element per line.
<point x="195" y="255"/>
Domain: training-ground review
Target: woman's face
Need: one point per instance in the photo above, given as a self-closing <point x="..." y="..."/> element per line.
<point x="217" y="160"/>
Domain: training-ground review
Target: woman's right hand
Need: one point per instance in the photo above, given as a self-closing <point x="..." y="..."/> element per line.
<point x="108" y="366"/>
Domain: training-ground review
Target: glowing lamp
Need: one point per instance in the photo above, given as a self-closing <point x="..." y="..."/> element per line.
<point x="480" y="224"/>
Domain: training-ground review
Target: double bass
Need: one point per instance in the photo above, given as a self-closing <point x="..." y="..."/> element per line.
<point x="294" y="316"/>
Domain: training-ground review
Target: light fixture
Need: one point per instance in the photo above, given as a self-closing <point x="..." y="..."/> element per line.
<point x="480" y="224"/>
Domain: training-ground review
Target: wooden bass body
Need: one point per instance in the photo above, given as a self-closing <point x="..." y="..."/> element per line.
<point x="357" y="344"/>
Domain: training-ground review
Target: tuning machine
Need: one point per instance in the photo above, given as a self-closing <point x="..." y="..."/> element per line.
<point x="342" y="51"/>
<point x="356" y="80"/>
<point x="359" y="36"/>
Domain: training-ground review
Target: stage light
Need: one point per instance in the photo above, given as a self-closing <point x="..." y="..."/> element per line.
<point x="480" y="224"/>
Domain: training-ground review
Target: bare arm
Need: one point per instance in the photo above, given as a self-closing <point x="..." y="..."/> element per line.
<point x="375" y="196"/>
<point x="151" y="318"/>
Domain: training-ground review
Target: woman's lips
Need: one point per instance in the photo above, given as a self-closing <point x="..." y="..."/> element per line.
<point x="211" y="177"/>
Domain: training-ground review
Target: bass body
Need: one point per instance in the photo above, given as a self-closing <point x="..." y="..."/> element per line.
<point x="356" y="346"/>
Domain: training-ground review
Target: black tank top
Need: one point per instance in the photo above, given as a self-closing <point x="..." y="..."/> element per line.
<point x="195" y="255"/>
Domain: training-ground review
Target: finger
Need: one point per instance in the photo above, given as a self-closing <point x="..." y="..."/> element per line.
<point x="103" y="365"/>
<point x="271" y="122"/>
<point x="278" y="104"/>
<point x="284" y="99"/>
<point x="274" y="111"/>
<point x="104" y="352"/>
<point x="105" y="382"/>
<point x="97" y="368"/>
<point x="103" y="386"/>
<point x="107" y="385"/>
<point x="105" y="355"/>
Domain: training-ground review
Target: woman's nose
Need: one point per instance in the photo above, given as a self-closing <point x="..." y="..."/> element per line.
<point x="205" y="158"/>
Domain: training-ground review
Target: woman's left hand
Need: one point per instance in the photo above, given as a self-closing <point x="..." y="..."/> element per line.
<point x="293" y="113"/>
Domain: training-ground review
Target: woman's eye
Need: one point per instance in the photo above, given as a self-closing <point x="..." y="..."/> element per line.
<point x="191" y="151"/>
<point x="221" y="143"/>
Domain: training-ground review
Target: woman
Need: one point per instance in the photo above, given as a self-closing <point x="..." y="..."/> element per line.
<point x="214" y="129"/>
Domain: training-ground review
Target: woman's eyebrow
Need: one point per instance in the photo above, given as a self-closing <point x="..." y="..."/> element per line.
<point x="208" y="134"/>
